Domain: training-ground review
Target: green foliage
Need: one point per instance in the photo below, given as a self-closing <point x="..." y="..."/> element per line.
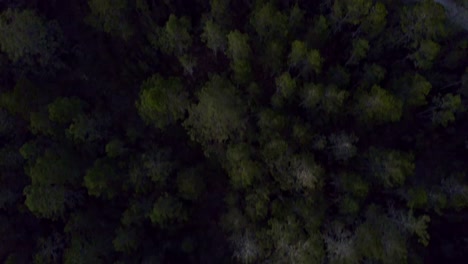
<point x="390" y="168"/>
<point x="101" y="179"/>
<point x="23" y="99"/>
<point x="339" y="76"/>
<point x="377" y="106"/>
<point x="45" y="201"/>
<point x="379" y="238"/>
<point x="425" y="56"/>
<point x="376" y="20"/>
<point x="257" y="204"/>
<point x="84" y="129"/>
<point x="311" y="95"/>
<point x="154" y="165"/>
<point x="298" y="53"/>
<point x="359" y="51"/>
<point x="220" y="10"/>
<point x="126" y="240"/>
<point x="114" y="148"/>
<point x="232" y="131"/>
<point x="333" y="99"/>
<point x="64" y="109"/>
<point x="30" y="150"/>
<point x="348" y="205"/>
<point x="167" y="209"/>
<point x="314" y="60"/>
<point x="268" y="22"/>
<point x="456" y="191"/>
<point x="54" y="168"/>
<point x="354" y="185"/>
<point x="413" y="225"/>
<point x="296" y="17"/>
<point x="307" y="172"/>
<point x="290" y="244"/>
<point x="24" y="36"/>
<point x="351" y="11"/>
<point x="219" y="114"/>
<point x="40" y="124"/>
<point x="162" y="102"/>
<point x="285" y="85"/>
<point x="110" y="16"/>
<point x="214" y="37"/>
<point x="373" y="74"/>
<point x="341" y="245"/>
<point x="342" y="146"/>
<point x="242" y="169"/>
<point x="246" y="248"/>
<point x="445" y="108"/>
<point x="238" y="46"/>
<point x="49" y="249"/>
<point x="188" y="63"/>
<point x="413" y="89"/>
<point x="423" y="21"/>
<point x="239" y="52"/>
<point x="174" y="37"/>
<point x="190" y="183"/>
<point x="417" y="198"/>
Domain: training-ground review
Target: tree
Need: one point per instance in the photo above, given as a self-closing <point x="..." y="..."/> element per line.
<point x="115" y="148"/>
<point x="413" y="89"/>
<point x="352" y="12"/>
<point x="46" y="201"/>
<point x="64" y="109"/>
<point x="423" y="21"/>
<point x="373" y="74"/>
<point x="167" y="210"/>
<point x="190" y="183"/>
<point x="333" y="99"/>
<point x="297" y="54"/>
<point x="162" y="101"/>
<point x="246" y="248"/>
<point x="126" y="239"/>
<point x="375" y="21"/>
<point x="40" y="124"/>
<point x="380" y="239"/>
<point x="219" y="114"/>
<point x="239" y="52"/>
<point x="408" y="223"/>
<point x="285" y="85"/>
<point x="445" y="108"/>
<point x="110" y="16"/>
<point x="220" y="11"/>
<point x="86" y="128"/>
<point x="425" y="56"/>
<point x="389" y="168"/>
<point x="341" y="245"/>
<point x="342" y="146"/>
<point x="25" y="36"/>
<point x="214" y="37"/>
<point x="307" y="172"/>
<point x="269" y="23"/>
<point x="24" y="99"/>
<point x="311" y="95"/>
<point x="174" y="37"/>
<point x="101" y="179"/>
<point x="377" y="106"/>
<point x="55" y="168"/>
<point x="303" y="58"/>
<point x="359" y="51"/>
<point x="242" y="170"/>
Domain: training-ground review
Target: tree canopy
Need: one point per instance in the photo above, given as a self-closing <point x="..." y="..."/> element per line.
<point x="222" y="131"/>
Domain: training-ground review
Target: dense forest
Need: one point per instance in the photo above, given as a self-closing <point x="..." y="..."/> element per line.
<point x="233" y="131"/>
